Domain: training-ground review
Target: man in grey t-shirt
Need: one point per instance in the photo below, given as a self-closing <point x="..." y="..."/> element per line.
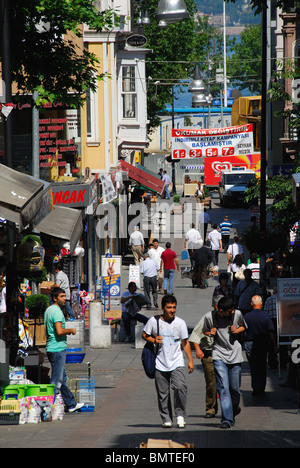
<point x="62" y="281"/>
<point x="225" y="326"/>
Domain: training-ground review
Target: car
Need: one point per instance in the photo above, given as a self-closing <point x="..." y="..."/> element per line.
<point x="233" y="184"/>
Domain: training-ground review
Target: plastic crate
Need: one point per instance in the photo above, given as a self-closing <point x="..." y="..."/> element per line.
<point x="9" y="412"/>
<point x="86" y="393"/>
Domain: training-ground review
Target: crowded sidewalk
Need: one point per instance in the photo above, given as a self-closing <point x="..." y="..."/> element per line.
<point x="126" y="412"/>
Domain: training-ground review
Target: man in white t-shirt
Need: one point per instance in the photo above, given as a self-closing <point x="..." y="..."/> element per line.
<point x="193" y="240"/>
<point x="215" y="239"/>
<point x="234" y="249"/>
<point x="155" y="254"/>
<point x="170" y="372"/>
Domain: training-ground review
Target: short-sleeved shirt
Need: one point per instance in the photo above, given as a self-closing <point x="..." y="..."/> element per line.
<point x="55" y="343"/>
<point x="214" y="237"/>
<point x="169" y="355"/>
<point x="168" y="257"/>
<point x="63" y="281"/>
<point x="227" y="347"/>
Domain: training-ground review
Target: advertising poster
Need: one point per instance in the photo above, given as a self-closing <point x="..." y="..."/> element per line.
<point x="111" y="275"/>
<point x="212" y="142"/>
<point x="289" y="306"/>
<point x="213" y="167"/>
<point x="134" y="275"/>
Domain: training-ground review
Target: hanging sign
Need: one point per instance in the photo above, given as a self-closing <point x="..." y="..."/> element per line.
<point x="108" y="190"/>
<point x="212" y="142"/>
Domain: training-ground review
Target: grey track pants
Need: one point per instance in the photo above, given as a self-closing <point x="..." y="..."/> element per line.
<point x="164" y="382"/>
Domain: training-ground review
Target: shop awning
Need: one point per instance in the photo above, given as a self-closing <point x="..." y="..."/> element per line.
<point x="24" y="199"/>
<point x="63" y="223"/>
<point x="144" y="177"/>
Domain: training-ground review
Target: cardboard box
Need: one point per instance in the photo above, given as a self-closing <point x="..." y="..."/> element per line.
<point x="46" y="286"/>
<point x="164" y="444"/>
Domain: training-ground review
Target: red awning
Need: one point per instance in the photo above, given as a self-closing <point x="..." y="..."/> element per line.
<point x="144" y="178"/>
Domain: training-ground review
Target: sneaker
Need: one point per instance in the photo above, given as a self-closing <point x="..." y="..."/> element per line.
<point x="225" y="425"/>
<point x="181" y="422"/>
<point x="77" y="407"/>
<point x="167" y="424"/>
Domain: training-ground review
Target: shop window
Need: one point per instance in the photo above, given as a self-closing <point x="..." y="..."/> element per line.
<point x="129" y="95"/>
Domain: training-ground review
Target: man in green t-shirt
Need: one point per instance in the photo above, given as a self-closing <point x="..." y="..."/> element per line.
<point x="56" y="346"/>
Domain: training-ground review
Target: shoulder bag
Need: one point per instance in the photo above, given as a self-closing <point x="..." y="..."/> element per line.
<point x="149" y="354"/>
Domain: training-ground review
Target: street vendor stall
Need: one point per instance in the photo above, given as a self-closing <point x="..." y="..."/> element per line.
<point x="191" y="176"/>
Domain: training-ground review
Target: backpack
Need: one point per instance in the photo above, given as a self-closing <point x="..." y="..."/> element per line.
<point x="149" y="354"/>
<point x="240" y="336"/>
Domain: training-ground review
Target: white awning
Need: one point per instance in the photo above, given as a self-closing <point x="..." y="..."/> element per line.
<point x="24" y="199"/>
<point x="63" y="223"/>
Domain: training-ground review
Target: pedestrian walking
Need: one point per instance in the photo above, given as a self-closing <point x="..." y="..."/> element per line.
<point x="225" y="227"/>
<point x="169" y="364"/>
<point x="237" y="268"/>
<point x="244" y="292"/>
<point x="155" y="254"/>
<point x="260" y="331"/>
<point x="130" y="310"/>
<point x="234" y="249"/>
<point x="193" y="240"/>
<point x="203" y="345"/>
<point x="254" y="267"/>
<point x="168" y="262"/>
<point x="137" y="244"/>
<point x="225" y="326"/>
<point x="215" y="239"/>
<point x="149" y="271"/>
<point x="166" y="179"/>
<point x="270" y="308"/>
<point x="199" y="193"/>
<point x="223" y="289"/>
<point x="202" y="258"/>
<point x="56" y="345"/>
<point x="62" y="281"/>
<point x="203" y="221"/>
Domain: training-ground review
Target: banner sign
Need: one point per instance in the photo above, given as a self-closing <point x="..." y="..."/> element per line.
<point x="212" y="142"/>
<point x="289" y="306"/>
<point x="213" y="167"/>
<point x="111" y="275"/>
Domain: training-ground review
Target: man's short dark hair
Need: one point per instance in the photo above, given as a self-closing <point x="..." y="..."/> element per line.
<point x="56" y="291"/>
<point x="225" y="304"/>
<point x="58" y="266"/>
<point x="168" y="299"/>
<point x="168" y="245"/>
<point x="155" y="240"/>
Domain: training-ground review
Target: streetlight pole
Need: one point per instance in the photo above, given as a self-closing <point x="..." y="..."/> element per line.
<point x="173" y="162"/>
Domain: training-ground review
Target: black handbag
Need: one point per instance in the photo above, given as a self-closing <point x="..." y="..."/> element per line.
<point x="149" y="354"/>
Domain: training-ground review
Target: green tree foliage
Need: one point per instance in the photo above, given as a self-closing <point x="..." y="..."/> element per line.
<point x="244" y="64"/>
<point x="284" y="212"/>
<point x="43" y="60"/>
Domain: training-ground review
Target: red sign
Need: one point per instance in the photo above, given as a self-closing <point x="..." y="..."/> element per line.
<point x="213" y="167"/>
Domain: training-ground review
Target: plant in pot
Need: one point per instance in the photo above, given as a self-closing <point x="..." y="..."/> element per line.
<point x="36" y="304"/>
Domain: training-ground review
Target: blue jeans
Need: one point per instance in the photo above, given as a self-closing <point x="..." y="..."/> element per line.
<point x="228" y="379"/>
<point x="69" y="310"/>
<point x="167" y="193"/>
<point x="127" y="317"/>
<point x="59" y="377"/>
<point x="169" y="278"/>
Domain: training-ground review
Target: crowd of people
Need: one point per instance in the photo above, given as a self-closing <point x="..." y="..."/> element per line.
<point x="239" y="324"/>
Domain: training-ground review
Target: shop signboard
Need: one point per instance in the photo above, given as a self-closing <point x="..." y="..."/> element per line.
<point x="213" y="142"/>
<point x="108" y="190"/>
<point x="288" y="307"/>
<point x="111" y="275"/>
<point x="73" y="195"/>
